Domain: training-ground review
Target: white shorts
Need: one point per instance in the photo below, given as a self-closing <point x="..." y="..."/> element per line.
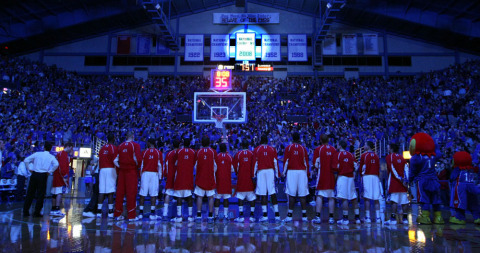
<point x="346" y="188"/>
<point x="250" y="196"/>
<point x="107" y="180"/>
<point x="222" y="196"/>
<point x="372" y="188"/>
<point x="325" y="193"/>
<point x="169" y="192"/>
<point x="400" y="198"/>
<point x="202" y="193"/>
<point x="182" y="193"/>
<point x="58" y="190"/>
<point x="149" y="184"/>
<point x="265" y="182"/>
<point x="297" y="183"/>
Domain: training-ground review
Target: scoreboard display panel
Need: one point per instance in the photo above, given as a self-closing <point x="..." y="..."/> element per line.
<point x="221" y="79"/>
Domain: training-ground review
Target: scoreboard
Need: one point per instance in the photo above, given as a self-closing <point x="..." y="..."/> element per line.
<point x="221" y="79"/>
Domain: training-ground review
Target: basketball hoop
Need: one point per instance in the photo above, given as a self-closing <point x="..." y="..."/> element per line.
<point x="219" y="120"/>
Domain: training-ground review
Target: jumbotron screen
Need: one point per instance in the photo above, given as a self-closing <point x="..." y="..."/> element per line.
<point x="221" y="79"/>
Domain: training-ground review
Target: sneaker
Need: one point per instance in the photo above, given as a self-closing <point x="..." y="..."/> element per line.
<point x="277" y="219"/>
<point x="134" y="219"/>
<point x="343" y="222"/>
<point x="152" y="217"/>
<point x="99" y="215"/>
<point x="263" y="219"/>
<point x="239" y="219"/>
<point x="368" y="220"/>
<point x="88" y="214"/>
<point x="313" y="203"/>
<point x="140" y="216"/>
<point x="358" y="221"/>
<point x="317" y="220"/>
<point x="177" y="220"/>
<point x="287" y="219"/>
<point x="405" y="222"/>
<point x="56" y="213"/>
<point x="331" y="221"/>
<point x="110" y="215"/>
<point x="379" y="221"/>
<point x="190" y="219"/>
<point x="305" y="219"/>
<point x="251" y="219"/>
<point x="120" y="218"/>
<point x="391" y="222"/>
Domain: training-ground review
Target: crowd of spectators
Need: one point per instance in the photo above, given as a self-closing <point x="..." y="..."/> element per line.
<point x="58" y="106"/>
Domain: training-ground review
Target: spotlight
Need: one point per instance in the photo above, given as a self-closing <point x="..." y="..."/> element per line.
<point x="329" y="5"/>
<point x="157" y="6"/>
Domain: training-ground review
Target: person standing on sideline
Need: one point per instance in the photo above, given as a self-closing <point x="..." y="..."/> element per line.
<point x="107" y="175"/>
<point x="223" y="176"/>
<point x="60" y="179"/>
<point x="43" y="163"/>
<point x="266" y="170"/>
<point x="205" y="177"/>
<point x="22" y="175"/>
<point x="244" y="165"/>
<point x="151" y="173"/>
<point x="297" y="173"/>
<point x="397" y="189"/>
<point x="91" y="208"/>
<point x="183" y="183"/>
<point x="128" y="161"/>
<point x="169" y="172"/>
<point x="372" y="189"/>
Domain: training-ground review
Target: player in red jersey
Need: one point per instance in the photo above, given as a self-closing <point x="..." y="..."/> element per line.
<point x="324" y="159"/>
<point x="266" y="169"/>
<point x="223" y="176"/>
<point x="347" y="166"/>
<point x="205" y="177"/>
<point x="128" y="161"/>
<point x="151" y="173"/>
<point x="107" y="175"/>
<point x="372" y="189"/>
<point x="244" y="163"/>
<point x="297" y="172"/>
<point x="169" y="171"/>
<point x="183" y="183"/>
<point x="60" y="179"/>
<point x="397" y="191"/>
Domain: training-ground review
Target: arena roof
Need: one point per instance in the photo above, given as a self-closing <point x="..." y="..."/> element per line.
<point x="31" y="25"/>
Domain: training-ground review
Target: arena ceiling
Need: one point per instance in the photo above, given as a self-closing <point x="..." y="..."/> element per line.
<point x="27" y="26"/>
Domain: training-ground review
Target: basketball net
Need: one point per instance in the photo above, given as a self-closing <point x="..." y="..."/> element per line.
<point x="219" y="120"/>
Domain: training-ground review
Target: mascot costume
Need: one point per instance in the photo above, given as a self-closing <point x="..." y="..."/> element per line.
<point x="464" y="191"/>
<point x="422" y="173"/>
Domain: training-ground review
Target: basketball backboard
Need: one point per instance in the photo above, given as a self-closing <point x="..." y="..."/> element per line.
<point x="209" y="104"/>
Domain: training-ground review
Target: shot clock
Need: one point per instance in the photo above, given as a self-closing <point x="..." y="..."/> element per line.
<point x="221" y="79"/>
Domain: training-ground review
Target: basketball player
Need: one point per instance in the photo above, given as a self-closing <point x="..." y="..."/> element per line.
<point x="60" y="179"/>
<point x="169" y="173"/>
<point x="372" y="189"/>
<point x="151" y="173"/>
<point x="346" y="166"/>
<point x="266" y="169"/>
<point x="183" y="183"/>
<point x="297" y="172"/>
<point x="323" y="158"/>
<point x="223" y="176"/>
<point x="244" y="163"/>
<point x="397" y="191"/>
<point x="107" y="175"/>
<point x="128" y="162"/>
<point x="205" y="177"/>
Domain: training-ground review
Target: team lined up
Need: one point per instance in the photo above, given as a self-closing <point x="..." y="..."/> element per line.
<point x="208" y="174"/>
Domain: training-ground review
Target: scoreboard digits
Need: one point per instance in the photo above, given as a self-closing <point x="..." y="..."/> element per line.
<point x="221" y="79"/>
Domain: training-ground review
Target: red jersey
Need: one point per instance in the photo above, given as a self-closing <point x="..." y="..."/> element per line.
<point x="170" y="168"/>
<point x="296" y="158"/>
<point x="152" y="161"/>
<point x="324" y="159"/>
<point x="106" y="156"/>
<point x="184" y="174"/>
<point x="396" y="171"/>
<point x="223" y="175"/>
<point x="345" y="163"/>
<point x="62" y="170"/>
<point x="244" y="165"/>
<point x="129" y="156"/>
<point x="206" y="169"/>
<point x="371" y="162"/>
<point x="266" y="158"/>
